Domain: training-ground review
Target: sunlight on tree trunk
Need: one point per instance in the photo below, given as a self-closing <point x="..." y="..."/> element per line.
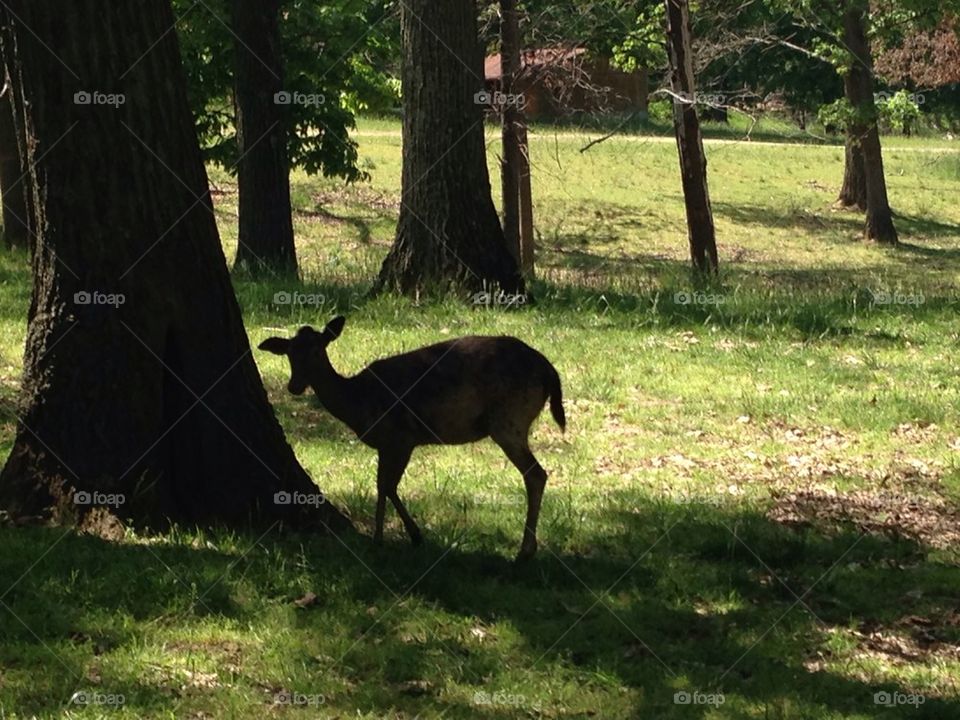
<point x="13" y="182"/>
<point x="693" y="162"/>
<point x="853" y="194"/>
<point x="515" y="166"/>
<point x="858" y="86"/>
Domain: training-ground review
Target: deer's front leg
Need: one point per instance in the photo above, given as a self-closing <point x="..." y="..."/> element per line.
<point x="381" y="509"/>
<point x="390" y="466"/>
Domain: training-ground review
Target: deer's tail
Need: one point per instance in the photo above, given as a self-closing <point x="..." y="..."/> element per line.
<point x="556" y="396"/>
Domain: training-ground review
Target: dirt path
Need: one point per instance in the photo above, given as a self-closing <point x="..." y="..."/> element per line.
<point x="584" y="138"/>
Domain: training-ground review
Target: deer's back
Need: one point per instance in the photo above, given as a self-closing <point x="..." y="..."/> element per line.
<point x="456" y="391"/>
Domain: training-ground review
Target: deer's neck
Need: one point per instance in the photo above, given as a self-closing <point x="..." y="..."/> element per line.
<point x="337" y="394"/>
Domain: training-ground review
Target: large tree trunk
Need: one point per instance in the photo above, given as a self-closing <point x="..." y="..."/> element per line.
<point x="515" y="166"/>
<point x="858" y="86"/>
<point x="265" y="238"/>
<point x="12" y="181"/>
<point x="693" y="162"/>
<point x="448" y="233"/>
<point x="138" y="379"/>
<point x="854" y="190"/>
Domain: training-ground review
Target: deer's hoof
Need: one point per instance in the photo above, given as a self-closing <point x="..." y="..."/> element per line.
<point x="416" y="539"/>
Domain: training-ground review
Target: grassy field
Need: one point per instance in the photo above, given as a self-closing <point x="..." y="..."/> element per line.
<point x="753" y="512"/>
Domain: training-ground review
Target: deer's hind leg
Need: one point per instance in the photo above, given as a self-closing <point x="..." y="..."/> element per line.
<point x="515" y="445"/>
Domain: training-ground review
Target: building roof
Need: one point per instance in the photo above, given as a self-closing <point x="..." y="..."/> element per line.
<point x="537" y="57"/>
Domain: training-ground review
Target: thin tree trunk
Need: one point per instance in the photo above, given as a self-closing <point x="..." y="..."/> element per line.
<point x="265" y="238"/>
<point x="859" y="90"/>
<point x="515" y="166"/>
<point x="12" y="180"/>
<point x="448" y="233"/>
<point x="693" y="162"/>
<point x="140" y="400"/>
<point x="509" y="172"/>
<point x="527" y="255"/>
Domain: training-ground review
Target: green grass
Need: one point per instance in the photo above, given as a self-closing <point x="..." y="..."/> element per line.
<point x="737" y="507"/>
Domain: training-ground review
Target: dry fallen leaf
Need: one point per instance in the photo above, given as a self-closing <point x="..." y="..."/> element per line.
<point x="306" y="601"/>
<point x="479" y="633"/>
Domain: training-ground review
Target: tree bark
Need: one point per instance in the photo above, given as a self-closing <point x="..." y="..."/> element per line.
<point x="527" y="253"/>
<point x="12" y="181"/>
<point x="515" y="166"/>
<point x="448" y="233"/>
<point x="265" y="241"/>
<point x="138" y="379"/>
<point x="509" y="172"/>
<point x="693" y="162"/>
<point x="854" y="190"/>
<point x="858" y="86"/>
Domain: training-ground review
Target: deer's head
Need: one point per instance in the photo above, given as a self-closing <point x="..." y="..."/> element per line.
<point x="307" y="353"/>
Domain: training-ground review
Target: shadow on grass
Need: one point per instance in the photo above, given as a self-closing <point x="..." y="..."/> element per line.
<point x="625" y="265"/>
<point x="766" y="216"/>
<point x="827" y="302"/>
<point x="361" y="224"/>
<point x="823" y="303"/>
<point x="847" y="222"/>
<point x="928" y="253"/>
<point x="910" y="225"/>
<point x="606" y="222"/>
<point x="649" y="289"/>
<point x="660" y="598"/>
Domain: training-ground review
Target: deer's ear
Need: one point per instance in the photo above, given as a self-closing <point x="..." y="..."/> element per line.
<point x="275" y="345"/>
<point x="334" y="328"/>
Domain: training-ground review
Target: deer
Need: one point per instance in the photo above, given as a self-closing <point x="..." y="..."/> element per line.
<point x="451" y="393"/>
